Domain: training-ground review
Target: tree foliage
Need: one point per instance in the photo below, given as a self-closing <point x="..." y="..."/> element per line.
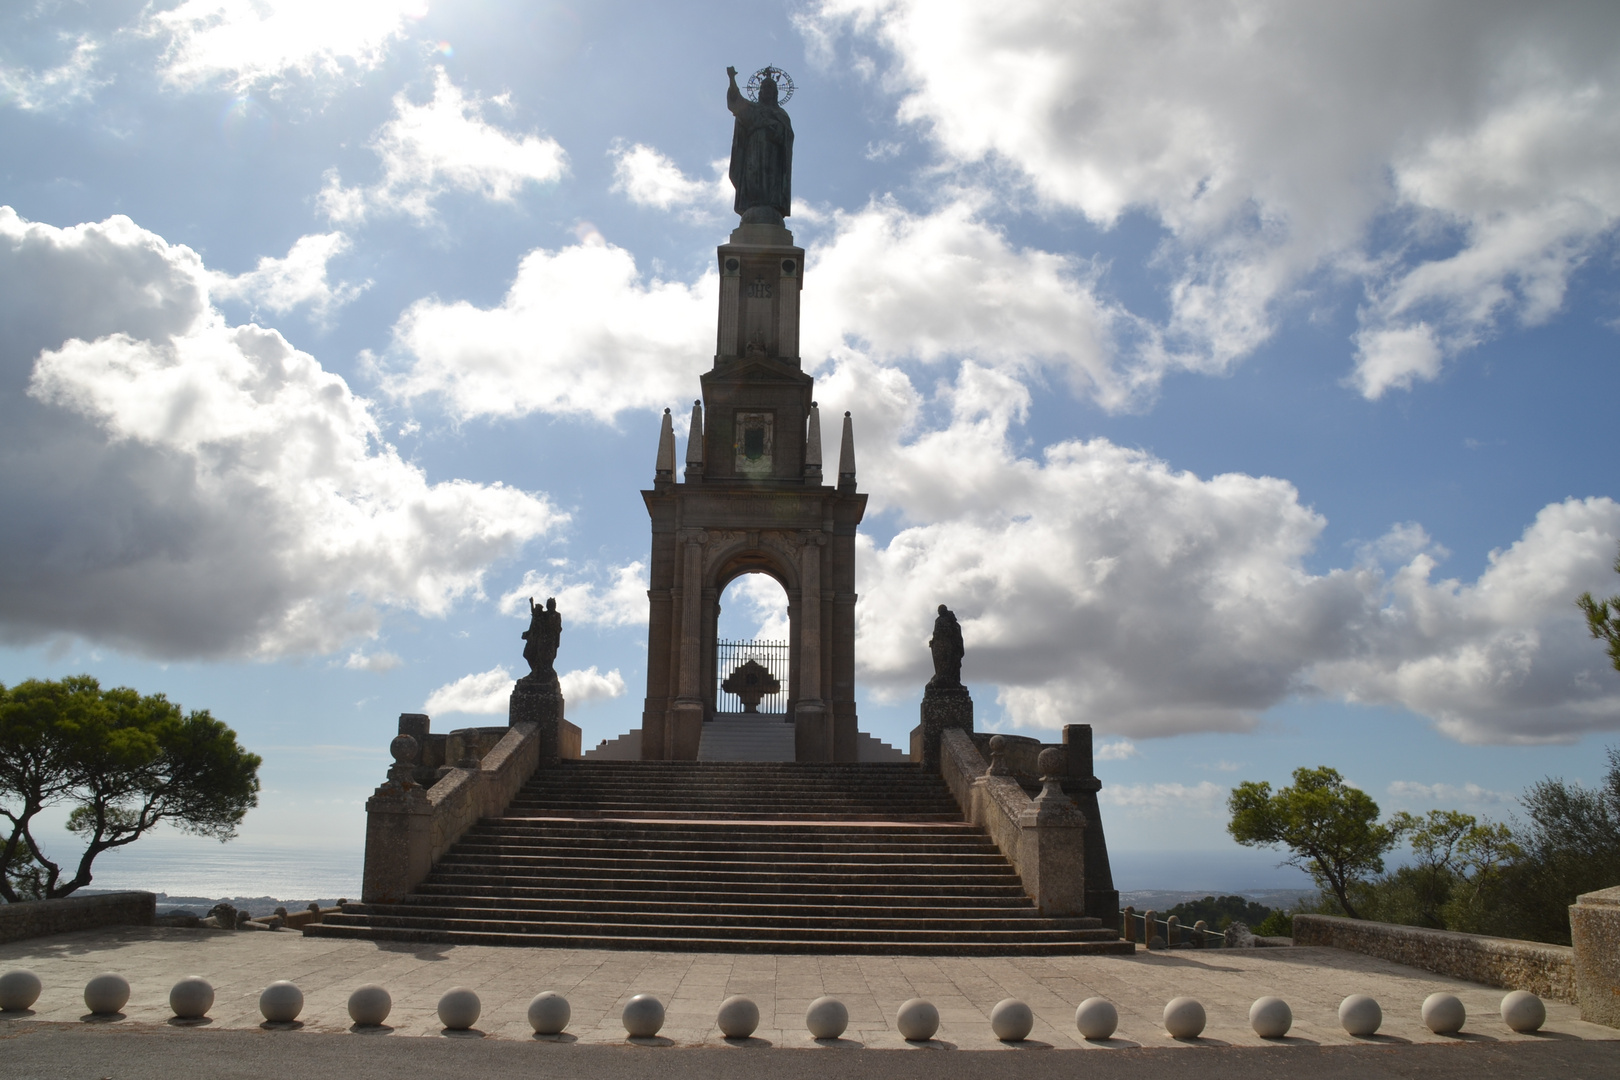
<point x="124" y="762"/>
<point x="1330" y="829"/>
<point x="1603" y="619"/>
<point x="1221" y="911"/>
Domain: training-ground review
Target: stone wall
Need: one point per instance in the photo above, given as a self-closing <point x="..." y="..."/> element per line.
<point x="1547" y="970"/>
<point x="37" y="918"/>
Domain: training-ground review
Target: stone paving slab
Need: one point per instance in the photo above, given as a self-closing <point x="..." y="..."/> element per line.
<point x="597" y="983"/>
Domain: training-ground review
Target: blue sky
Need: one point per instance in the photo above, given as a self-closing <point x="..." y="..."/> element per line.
<point x="1240" y="373"/>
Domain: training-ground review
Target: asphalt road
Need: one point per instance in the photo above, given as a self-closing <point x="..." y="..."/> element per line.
<point x="50" y="1051"/>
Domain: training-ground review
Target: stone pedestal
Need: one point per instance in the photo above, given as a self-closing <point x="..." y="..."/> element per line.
<point x="812" y="732"/>
<point x="399" y="842"/>
<point x="539" y="702"/>
<point x="942" y="707"/>
<point x="1594" y="930"/>
<point x="1081" y="784"/>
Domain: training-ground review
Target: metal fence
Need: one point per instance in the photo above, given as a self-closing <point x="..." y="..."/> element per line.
<point x="771" y="655"/>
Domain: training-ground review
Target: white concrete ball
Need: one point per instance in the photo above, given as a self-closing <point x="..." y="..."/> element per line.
<point x="459" y="1008"/>
<point x="1270" y="1017"/>
<point x="826" y="1018"/>
<point x="643" y="1016"/>
<point x="917" y="1020"/>
<point x="1360" y="1015"/>
<point x="106" y="994"/>
<point x="1012" y="1020"/>
<point x="549" y="1013"/>
<point x="281" y="1002"/>
<point x="1184" y="1018"/>
<point x="370" y="1005"/>
<point x="191" y="997"/>
<point x="19" y="990"/>
<point x="1444" y="1014"/>
<point x="1096" y="1018"/>
<point x="1523" y="1011"/>
<point x="737" y="1018"/>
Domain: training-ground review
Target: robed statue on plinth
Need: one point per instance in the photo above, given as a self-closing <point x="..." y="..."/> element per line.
<point x="761" y="149"/>
<point x="946" y="645"/>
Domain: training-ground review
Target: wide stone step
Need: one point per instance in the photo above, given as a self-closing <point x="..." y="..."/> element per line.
<point x="683" y="905"/>
<point x="528" y="845"/>
<point x="448" y="869"/>
<point x="647" y="828"/>
<point x="395" y="919"/>
<point x="742" y="922"/>
<point x="517" y="809"/>
<point x="656" y="892"/>
<point x="513" y="855"/>
<point x="857" y="884"/>
<point x="673" y="942"/>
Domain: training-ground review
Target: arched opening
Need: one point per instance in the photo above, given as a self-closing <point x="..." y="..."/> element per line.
<point x="753" y="653"/>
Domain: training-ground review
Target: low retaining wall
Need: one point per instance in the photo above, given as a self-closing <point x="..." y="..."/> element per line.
<point x="37" y="918"/>
<point x="1547" y="970"/>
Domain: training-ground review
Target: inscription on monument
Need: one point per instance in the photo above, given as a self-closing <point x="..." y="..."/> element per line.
<point x="759" y="289"/>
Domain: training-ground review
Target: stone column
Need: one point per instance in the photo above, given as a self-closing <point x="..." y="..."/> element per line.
<point x="399" y="830"/>
<point x="687" y="713"/>
<point x="811" y="719"/>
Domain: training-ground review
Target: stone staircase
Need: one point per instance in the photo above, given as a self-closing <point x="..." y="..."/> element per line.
<point x="728" y="857"/>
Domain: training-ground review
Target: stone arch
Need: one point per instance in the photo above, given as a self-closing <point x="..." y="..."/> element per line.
<point x="732" y="557"/>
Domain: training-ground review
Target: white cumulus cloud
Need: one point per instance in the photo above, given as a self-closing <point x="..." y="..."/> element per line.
<point x="181" y="487"/>
<point x="648" y="178"/>
<point x="486" y="692"/>
<point x="249" y="42"/>
<point x="279" y="285"/>
<point x="580" y="331"/>
<point x="1411" y="795"/>
<point x="611" y="598"/>
<point x="71" y="81"/>
<point x="1201" y="800"/>
<point x="1458" y="160"/>
<point x="445" y="145"/>
<point x="1096" y="584"/>
<point x="578" y="687"/>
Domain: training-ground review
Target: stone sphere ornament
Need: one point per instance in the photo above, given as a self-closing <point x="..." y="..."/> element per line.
<point x="737" y="1018"/>
<point x="1096" y="1018"/>
<point x="19" y="990"/>
<point x="1052" y="761"/>
<point x="1360" y="1015"/>
<point x="1523" y="1012"/>
<point x="191" y="998"/>
<point x="1270" y="1017"/>
<point x="1012" y="1020"/>
<point x="370" y="1005"/>
<point x="459" y="1009"/>
<point x="1444" y="1014"/>
<point x="106" y="995"/>
<point x="1184" y="1018"/>
<point x="281" y="1002"/>
<point x="917" y="1020"/>
<point x="549" y="1013"/>
<point x="826" y="1018"/>
<point x="643" y="1016"/>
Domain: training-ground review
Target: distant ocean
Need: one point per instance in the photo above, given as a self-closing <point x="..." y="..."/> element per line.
<point x="207" y="868"/>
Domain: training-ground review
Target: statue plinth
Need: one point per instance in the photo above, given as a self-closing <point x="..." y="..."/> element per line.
<point x="942" y="707"/>
<point x="537" y="699"/>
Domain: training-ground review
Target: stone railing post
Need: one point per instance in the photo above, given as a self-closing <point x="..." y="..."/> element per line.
<point x="1172" y="930"/>
<point x="399" y="830"/>
<point x="1594" y="931"/>
<point x="1149" y="917"/>
<point x="1130" y="924"/>
<point x="1052" y="842"/>
<point x="1201" y="934"/>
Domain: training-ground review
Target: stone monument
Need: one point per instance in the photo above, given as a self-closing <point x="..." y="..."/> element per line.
<point x="537" y="698"/>
<point x="751" y="498"/>
<point x="946" y="702"/>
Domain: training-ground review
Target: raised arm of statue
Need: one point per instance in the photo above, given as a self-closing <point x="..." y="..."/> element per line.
<point x="735" y="101"/>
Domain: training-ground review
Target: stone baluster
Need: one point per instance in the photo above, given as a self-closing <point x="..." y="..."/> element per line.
<point x="1201" y="934"/>
<point x="1130" y="923"/>
<point x="998" y="758"/>
<point x="1149" y="917"/>
<point x="1172" y="930"/>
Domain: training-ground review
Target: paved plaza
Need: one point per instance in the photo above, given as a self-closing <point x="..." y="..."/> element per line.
<point x="597" y="983"/>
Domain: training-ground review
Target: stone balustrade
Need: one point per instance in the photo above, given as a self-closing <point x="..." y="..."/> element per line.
<point x="410" y="825"/>
<point x="37" y="918"/>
